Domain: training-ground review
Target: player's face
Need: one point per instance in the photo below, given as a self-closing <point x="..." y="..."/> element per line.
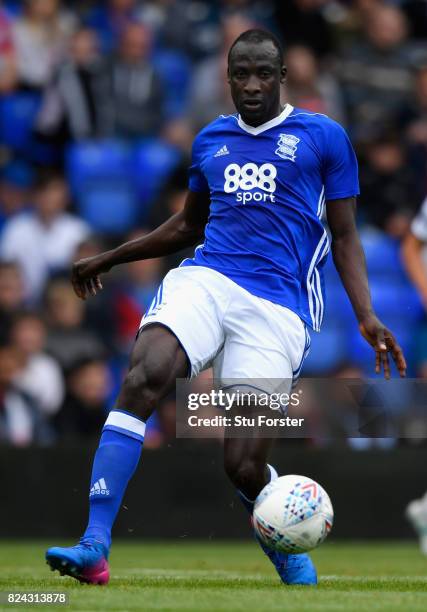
<point x="255" y="75"/>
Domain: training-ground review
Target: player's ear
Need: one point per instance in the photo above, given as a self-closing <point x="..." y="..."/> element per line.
<point x="283" y="73"/>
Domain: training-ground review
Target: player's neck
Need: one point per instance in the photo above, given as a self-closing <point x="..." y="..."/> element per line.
<point x="268" y="117"/>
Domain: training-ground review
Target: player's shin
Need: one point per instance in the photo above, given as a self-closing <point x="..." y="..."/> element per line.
<point x="114" y="464"/>
<point x="248" y="503"/>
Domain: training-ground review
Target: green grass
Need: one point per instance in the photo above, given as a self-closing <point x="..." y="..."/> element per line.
<point x="216" y="577"/>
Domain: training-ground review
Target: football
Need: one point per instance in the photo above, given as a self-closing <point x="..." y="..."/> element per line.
<point x="293" y="514"/>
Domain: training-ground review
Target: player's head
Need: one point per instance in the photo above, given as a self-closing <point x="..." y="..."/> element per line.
<point x="255" y="74"/>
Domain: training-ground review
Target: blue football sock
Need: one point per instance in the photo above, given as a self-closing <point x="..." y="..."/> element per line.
<point x="248" y="503"/>
<point x="114" y="464"/>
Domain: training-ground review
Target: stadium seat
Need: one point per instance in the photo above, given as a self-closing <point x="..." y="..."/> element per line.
<point x="103" y="185"/>
<point x="382" y="254"/>
<point x="17" y="115"/>
<point x="395" y="298"/>
<point x="328" y="350"/>
<point x="337" y="304"/>
<point x="153" y="162"/>
<point x="174" y="69"/>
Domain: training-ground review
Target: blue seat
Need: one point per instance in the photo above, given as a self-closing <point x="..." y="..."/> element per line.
<point x="395" y="297"/>
<point x="17" y="115"/>
<point x="94" y="159"/>
<point x="103" y="185"/>
<point x="382" y="254"/>
<point x="328" y="350"/>
<point x="174" y="69"/>
<point x="338" y="309"/>
<point x="153" y="162"/>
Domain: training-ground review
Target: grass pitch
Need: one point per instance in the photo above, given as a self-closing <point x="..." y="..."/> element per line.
<point x="215" y="577"/>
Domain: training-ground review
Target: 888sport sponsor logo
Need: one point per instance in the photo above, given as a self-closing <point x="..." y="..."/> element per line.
<point x="251" y="183"/>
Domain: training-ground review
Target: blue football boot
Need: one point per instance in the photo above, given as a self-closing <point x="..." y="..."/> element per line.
<point x="87" y="562"/>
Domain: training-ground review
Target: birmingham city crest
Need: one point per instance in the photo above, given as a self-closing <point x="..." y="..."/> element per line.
<point x="287" y="146"/>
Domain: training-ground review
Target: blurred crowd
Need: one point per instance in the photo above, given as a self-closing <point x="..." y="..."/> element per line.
<point x="99" y="104"/>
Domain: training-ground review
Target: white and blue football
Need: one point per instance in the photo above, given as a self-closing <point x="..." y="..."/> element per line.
<point x="293" y="514"/>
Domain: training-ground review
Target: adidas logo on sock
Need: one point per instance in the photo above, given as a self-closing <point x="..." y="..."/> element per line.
<point x="223" y="151"/>
<point x="99" y="488"/>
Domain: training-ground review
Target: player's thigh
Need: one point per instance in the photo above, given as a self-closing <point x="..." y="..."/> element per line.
<point x="156" y="361"/>
<point x="269" y="342"/>
<point x="160" y="357"/>
<point x="190" y="305"/>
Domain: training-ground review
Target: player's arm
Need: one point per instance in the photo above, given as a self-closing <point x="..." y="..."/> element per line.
<point x="412" y="248"/>
<point x="350" y="262"/>
<point x="182" y="230"/>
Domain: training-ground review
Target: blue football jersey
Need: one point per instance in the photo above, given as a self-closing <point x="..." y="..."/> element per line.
<point x="268" y="186"/>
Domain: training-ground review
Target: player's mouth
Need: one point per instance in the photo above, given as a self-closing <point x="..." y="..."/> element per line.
<point x="252" y="105"/>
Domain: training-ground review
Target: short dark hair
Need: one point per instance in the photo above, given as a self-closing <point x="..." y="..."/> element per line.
<point x="46" y="177"/>
<point x="257" y="35"/>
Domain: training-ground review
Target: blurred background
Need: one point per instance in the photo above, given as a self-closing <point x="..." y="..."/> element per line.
<point x="99" y="104"/>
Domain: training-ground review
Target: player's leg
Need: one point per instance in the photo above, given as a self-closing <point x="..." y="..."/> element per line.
<point x="264" y="348"/>
<point x="245" y="462"/>
<point x="181" y="333"/>
<point x="156" y="361"/>
<point x="416" y="513"/>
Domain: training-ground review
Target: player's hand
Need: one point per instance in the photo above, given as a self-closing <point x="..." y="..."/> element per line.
<point x="85" y="275"/>
<point x="384" y="343"/>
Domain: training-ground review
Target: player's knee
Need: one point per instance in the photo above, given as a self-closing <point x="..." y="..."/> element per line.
<point x="243" y="472"/>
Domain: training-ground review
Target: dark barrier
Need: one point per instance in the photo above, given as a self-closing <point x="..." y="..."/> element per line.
<point x="181" y="491"/>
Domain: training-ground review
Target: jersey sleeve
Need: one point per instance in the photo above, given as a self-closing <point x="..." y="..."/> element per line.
<point x="340" y="169"/>
<point x="197" y="181"/>
<point x="419" y="224"/>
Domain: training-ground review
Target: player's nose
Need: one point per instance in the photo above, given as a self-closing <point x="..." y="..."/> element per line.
<point x="252" y="85"/>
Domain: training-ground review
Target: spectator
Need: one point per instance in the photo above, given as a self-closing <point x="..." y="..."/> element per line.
<point x="68" y="341"/>
<point x="85" y="407"/>
<point x="41" y="377"/>
<point x="44" y="239"/>
<point x="11" y="296"/>
<point x="211" y="95"/>
<point x="99" y="314"/>
<point x="16" y="178"/>
<point x="109" y="19"/>
<point x="310" y="88"/>
<point x="416" y="11"/>
<point x="303" y="22"/>
<point x="376" y="73"/>
<point x="171" y="201"/>
<point x="21" y="423"/>
<point x="388" y="195"/>
<point x="8" y="76"/>
<point x="135" y="294"/>
<point x="69" y="109"/>
<point x="414" y="260"/>
<point x="131" y="98"/>
<point x="40" y="36"/>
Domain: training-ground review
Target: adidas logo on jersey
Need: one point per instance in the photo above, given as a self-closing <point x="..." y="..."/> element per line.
<point x="99" y="488"/>
<point x="223" y="151"/>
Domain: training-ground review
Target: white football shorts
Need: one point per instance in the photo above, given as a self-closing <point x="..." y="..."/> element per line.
<point x="220" y="324"/>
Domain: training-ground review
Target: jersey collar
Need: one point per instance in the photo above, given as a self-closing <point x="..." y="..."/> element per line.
<point x="268" y="125"/>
